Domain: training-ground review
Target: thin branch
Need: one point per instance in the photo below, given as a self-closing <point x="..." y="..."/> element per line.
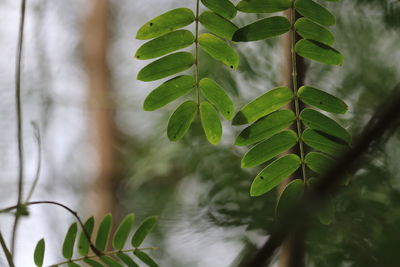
<point x="382" y="123"/>
<point x="19" y="120"/>
<point x="6" y="251"/>
<point x="39" y="165"/>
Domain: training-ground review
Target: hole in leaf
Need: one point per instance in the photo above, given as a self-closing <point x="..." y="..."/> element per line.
<point x="231" y="66"/>
<point x="261" y="177"/>
<point x="151" y="23"/>
<point x="320" y="102"/>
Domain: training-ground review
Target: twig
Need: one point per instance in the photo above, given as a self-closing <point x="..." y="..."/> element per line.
<point x="6" y="251"/>
<point x="39" y="165"/>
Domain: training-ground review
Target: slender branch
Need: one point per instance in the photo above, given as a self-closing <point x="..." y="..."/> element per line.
<point x="385" y="118"/>
<point x="197" y="64"/>
<point x="9" y="257"/>
<point x="39" y="165"/>
<point x="74" y="213"/>
<point x="19" y="121"/>
<point x="109" y="253"/>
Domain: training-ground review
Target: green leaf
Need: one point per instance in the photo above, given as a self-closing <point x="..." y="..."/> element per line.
<point x="210" y="122"/>
<point x="265" y="127"/>
<point x="127" y="260"/>
<point x="166" y="66"/>
<point x="218" y="25"/>
<point x="83" y="243"/>
<point x="315" y="12"/>
<point x="165" y="44"/>
<point x="290" y="196"/>
<point x="167" y="22"/>
<point x="320" y="99"/>
<point x="223" y="8"/>
<point x="168" y="92"/>
<point x="69" y="241"/>
<point x="263" y="105"/>
<point x="93" y="263"/>
<point x="269" y="148"/>
<point x="322" y="143"/>
<point x="326" y="214"/>
<point x="319" y="122"/>
<point x="181" y="120"/>
<point x="73" y="264"/>
<point x="103" y="232"/>
<point x="110" y="261"/>
<point x="263" y="6"/>
<point x="38" y="255"/>
<point x="262" y="29"/>
<point x="274" y="174"/>
<point x="318" y="162"/>
<point x="122" y="232"/>
<point x="310" y="30"/>
<point x="145" y="258"/>
<point x="217" y="96"/>
<point x="143" y="230"/>
<point x="319" y="52"/>
<point x="219" y="50"/>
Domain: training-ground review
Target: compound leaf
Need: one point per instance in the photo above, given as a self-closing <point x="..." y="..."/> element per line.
<point x="38" y="255"/>
<point x="83" y="242"/>
<point x="315" y="12"/>
<point x="143" y="230"/>
<point x="263" y="6"/>
<point x="322" y="143"/>
<point x="166" y="66"/>
<point x="145" y="258"/>
<point x="168" y="92"/>
<point x="69" y="241"/>
<point x="320" y="99"/>
<point x="165" y="44"/>
<point x="127" y="260"/>
<point x="219" y="50"/>
<point x="181" y="120"/>
<point x="318" y="162"/>
<point x="93" y="263"/>
<point x="217" y="96"/>
<point x="269" y="148"/>
<point x="103" y="232"/>
<point x="265" y="127"/>
<point x="223" y="8"/>
<point x="319" y="52"/>
<point x="262" y="29"/>
<point x="274" y="174"/>
<point x="110" y="261"/>
<point x="310" y="30"/>
<point x="210" y="122"/>
<point x="122" y="232"/>
<point x="218" y="25"/>
<point x="263" y="105"/>
<point x="167" y="22"/>
<point x="289" y="197"/>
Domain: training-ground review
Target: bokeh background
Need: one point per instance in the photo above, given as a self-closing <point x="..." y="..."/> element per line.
<point x="102" y="153"/>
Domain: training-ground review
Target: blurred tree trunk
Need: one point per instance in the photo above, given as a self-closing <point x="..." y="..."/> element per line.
<point x="102" y="129"/>
<point x="292" y="252"/>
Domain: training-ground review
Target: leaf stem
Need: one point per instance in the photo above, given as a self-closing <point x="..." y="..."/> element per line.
<point x="197" y="64"/>
<point x="9" y="257"/>
<point x="295" y="89"/>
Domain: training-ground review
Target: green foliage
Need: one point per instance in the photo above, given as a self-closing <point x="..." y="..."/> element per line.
<point x="322" y="100"/>
<point x="311" y="30"/>
<point x="101" y="257"/>
<point x="168" y="39"/>
<point x="289" y="197"/>
<point x="262" y="6"/>
<point x="319" y="52"/>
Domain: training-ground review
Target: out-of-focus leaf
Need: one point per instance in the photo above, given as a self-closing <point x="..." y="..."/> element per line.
<point x="318" y="162"/>
<point x="263" y="105"/>
<point x="262" y="29"/>
<point x="110" y="261"/>
<point x="103" y="232"/>
<point x="217" y="96"/>
<point x="38" y="255"/>
<point x="181" y="120"/>
<point x="127" y="260"/>
<point x="263" y="6"/>
<point x="145" y="258"/>
<point x="274" y="174"/>
<point x="315" y="12"/>
<point x="73" y="264"/>
<point x="289" y="197"/>
<point x="327" y="213"/>
<point x="210" y="122"/>
<point x="93" y="263"/>
<point x="223" y="8"/>
<point x="319" y="52"/>
<point x="122" y="232"/>
<point x="265" y="127"/>
<point x="319" y="122"/>
<point x="167" y="22"/>
<point x="310" y="30"/>
<point x="269" y="148"/>
<point x="168" y="92"/>
<point x="219" y="50"/>
<point x="165" y="44"/>
<point x="320" y="99"/>
<point x="83" y="243"/>
<point x="218" y="25"/>
<point x="323" y="143"/>
<point x="166" y="66"/>
<point x="69" y="241"/>
<point x="143" y="230"/>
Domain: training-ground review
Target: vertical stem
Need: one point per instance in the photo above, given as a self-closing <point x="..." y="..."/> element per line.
<point x="197" y="66"/>
<point x="6" y="251"/>
<point x="295" y="89"/>
<point x="19" y="121"/>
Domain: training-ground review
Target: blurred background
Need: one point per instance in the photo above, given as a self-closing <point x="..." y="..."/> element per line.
<point x="102" y="153"/>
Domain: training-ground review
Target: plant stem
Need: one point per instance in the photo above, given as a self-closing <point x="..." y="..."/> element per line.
<point x="19" y="121"/>
<point x="39" y="165"/>
<point x="6" y="251"/>
<point x="197" y="64"/>
<point x="295" y="89"/>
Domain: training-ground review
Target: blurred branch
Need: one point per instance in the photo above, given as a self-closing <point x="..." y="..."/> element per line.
<point x="6" y="251"/>
<point x="380" y="125"/>
<point x="19" y="121"/>
<point x="39" y="165"/>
